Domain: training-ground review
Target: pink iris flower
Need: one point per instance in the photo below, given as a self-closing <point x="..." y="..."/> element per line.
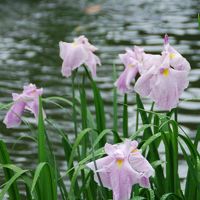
<point x="123" y="167"/>
<point x="76" y="54"/>
<point x="27" y="100"/>
<point x="135" y="61"/>
<point x="165" y="84"/>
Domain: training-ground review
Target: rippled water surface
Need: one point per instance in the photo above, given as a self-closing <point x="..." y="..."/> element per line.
<point x="29" y="36"/>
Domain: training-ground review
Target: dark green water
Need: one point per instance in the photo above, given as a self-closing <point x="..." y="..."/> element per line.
<point x="29" y="36"/>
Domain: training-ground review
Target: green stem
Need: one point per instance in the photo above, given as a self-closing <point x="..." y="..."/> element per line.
<point x="75" y="118"/>
<point x="115" y="118"/>
<point x="125" y="117"/>
<point x="74" y="102"/>
<point x="137" y="119"/>
<point x="176" y="114"/>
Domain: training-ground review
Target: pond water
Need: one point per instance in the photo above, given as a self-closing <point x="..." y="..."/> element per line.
<point x="29" y="53"/>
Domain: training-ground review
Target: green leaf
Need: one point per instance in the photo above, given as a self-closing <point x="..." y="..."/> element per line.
<point x="115" y="112"/>
<point x="48" y="176"/>
<point x="150" y="140"/>
<point x="99" y="106"/>
<point x="45" y="177"/>
<point x="10" y="182"/>
<point x="42" y="154"/>
<point x="13" y="191"/>
<point x="76" y="143"/>
<point x="169" y="195"/>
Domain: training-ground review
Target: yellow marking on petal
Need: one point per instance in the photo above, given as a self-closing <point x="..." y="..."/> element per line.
<point x="120" y="163"/>
<point x="131" y="65"/>
<point x="34" y="91"/>
<point x="134" y="151"/>
<point x="74" y="44"/>
<point x="172" y="55"/>
<point x="165" y="72"/>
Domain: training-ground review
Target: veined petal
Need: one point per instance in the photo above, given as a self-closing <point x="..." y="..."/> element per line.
<point x="165" y="91"/>
<point x="181" y="78"/>
<point x="139" y="163"/>
<point x="122" y="180"/>
<point x="102" y="163"/>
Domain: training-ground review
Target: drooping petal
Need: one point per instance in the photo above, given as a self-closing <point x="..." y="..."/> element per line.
<point x="165" y="91"/>
<point x="116" y="172"/>
<point x="123" y="83"/>
<point x="181" y="78"/>
<point x="13" y="116"/>
<point x="139" y="163"/>
<point x="101" y="163"/>
<point x="143" y="84"/>
<point x="144" y="181"/>
<point x="122" y="179"/>
<point x="33" y="107"/>
<point x="92" y="63"/>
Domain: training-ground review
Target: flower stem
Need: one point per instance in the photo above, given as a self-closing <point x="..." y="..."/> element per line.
<point x="125" y="117"/>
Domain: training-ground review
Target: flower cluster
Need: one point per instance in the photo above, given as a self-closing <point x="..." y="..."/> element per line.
<point x="122" y="168"/>
<point x="162" y="77"/>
